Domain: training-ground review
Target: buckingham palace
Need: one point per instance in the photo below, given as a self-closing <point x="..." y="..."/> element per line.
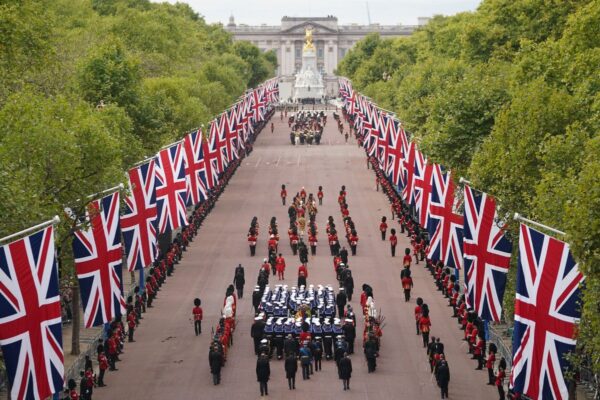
<point x="332" y="40"/>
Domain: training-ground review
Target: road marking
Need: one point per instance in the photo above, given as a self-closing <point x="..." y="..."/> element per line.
<point x="277" y="163"/>
<point x="258" y="162"/>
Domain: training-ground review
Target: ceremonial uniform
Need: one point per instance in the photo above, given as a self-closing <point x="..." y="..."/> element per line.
<point x="350" y="334"/>
<point x="197" y="313"/>
<point x="263" y="373"/>
<point x="489" y="364"/>
<point x="239" y="280"/>
<point x="131" y="325"/>
<point x="341" y="299"/>
<point x="280" y="267"/>
<point x="353" y="243"/>
<point x="291" y="367"/>
<point x="500" y="382"/>
<point x="383" y="229"/>
<point x="103" y="366"/>
<point x="215" y="361"/>
<point x="345" y="371"/>
<point x="443" y="377"/>
<point x="294" y="243"/>
<point x="305" y="361"/>
<point x="371" y="354"/>
<point x="312" y="241"/>
<point x="252" y="238"/>
<point x="425" y="325"/>
<point x="256" y="332"/>
<point x="283" y="195"/>
<point x="393" y="243"/>
<point x="407" y="284"/>
<point x="320" y="197"/>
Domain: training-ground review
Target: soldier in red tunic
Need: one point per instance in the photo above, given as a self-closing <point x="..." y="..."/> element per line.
<point x="280" y="266"/>
<point x="197" y="315"/>
<point x="425" y="326"/>
<point x="353" y="242"/>
<point x="283" y="194"/>
<point x="103" y="366"/>
<point x="252" y="238"/>
<point x="407" y="284"/>
<point x="383" y="227"/>
<point x="393" y="241"/>
<point x="320" y="195"/>
<point x="131" y="324"/>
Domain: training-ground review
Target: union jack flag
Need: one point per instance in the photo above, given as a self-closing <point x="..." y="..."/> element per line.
<point x="486" y="253"/>
<point x="195" y="170"/>
<point x="98" y="258"/>
<point x="423" y="187"/>
<point x="30" y="316"/>
<point x="396" y="150"/>
<point x="258" y="105"/>
<point x="230" y="128"/>
<point x="171" y="188"/>
<point x="547" y="310"/>
<point x="217" y="142"/>
<point x="412" y="166"/>
<point x="139" y="220"/>
<point x="445" y="226"/>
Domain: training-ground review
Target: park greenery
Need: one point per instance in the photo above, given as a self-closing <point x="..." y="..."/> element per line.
<point x="507" y="96"/>
<point x="89" y="87"/>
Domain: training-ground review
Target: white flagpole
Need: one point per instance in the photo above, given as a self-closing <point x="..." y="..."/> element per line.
<point x="52" y="221"/>
<point x="120" y="186"/>
<point x="172" y="144"/>
<point x="519" y="217"/>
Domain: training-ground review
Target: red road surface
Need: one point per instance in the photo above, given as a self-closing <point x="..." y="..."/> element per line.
<point x="169" y="362"/>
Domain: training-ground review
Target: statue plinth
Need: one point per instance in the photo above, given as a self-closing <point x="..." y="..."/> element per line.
<point x="309" y="81"/>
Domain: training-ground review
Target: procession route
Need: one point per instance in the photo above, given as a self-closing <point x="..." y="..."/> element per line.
<point x="156" y="368"/>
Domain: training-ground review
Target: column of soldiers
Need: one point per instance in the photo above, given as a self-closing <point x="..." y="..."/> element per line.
<point x="449" y="285"/>
<point x="307" y="127"/>
<point x="223" y="332"/>
<point x="111" y="346"/>
<point x="351" y="234"/>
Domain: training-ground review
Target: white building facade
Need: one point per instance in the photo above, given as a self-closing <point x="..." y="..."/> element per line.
<point x="332" y="41"/>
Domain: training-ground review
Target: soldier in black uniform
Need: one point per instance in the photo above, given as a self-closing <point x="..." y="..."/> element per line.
<point x="344" y="255"/>
<point x="290" y="346"/>
<point x="239" y="280"/>
<point x="215" y="361"/>
<point x="263" y="373"/>
<point x="317" y="351"/>
<point x="341" y="299"/>
<point x="257" y="331"/>
<point x="349" y="284"/>
<point x="350" y="334"/>
<point x="291" y="367"/>
<point x="256" y="297"/>
<point x="303" y="252"/>
<point x="328" y="341"/>
<point x="371" y="350"/>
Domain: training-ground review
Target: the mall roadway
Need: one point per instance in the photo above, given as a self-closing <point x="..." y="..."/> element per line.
<point x="168" y="361"/>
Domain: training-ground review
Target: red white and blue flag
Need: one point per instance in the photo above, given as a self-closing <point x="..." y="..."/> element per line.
<point x="258" y="105"/>
<point x="412" y="166"/>
<point x="445" y="226"/>
<point x="547" y="309"/>
<point x="30" y="316"/>
<point x="139" y="220"/>
<point x="195" y="167"/>
<point x="98" y="258"/>
<point x="486" y="253"/>
<point x="423" y="186"/>
<point x="171" y="188"/>
<point x="230" y="127"/>
<point x="217" y="142"/>
<point x="396" y="151"/>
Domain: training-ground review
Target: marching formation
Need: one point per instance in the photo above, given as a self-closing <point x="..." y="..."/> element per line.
<point x="307" y="127"/>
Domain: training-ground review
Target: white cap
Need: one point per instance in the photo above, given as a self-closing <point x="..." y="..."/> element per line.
<point x="264" y="341"/>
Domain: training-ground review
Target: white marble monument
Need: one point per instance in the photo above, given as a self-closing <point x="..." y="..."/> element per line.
<point x="309" y="81"/>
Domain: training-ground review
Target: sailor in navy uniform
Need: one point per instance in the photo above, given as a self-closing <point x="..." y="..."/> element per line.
<point x="328" y="339"/>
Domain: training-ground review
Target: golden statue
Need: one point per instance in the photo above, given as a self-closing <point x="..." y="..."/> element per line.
<point x="308" y="44"/>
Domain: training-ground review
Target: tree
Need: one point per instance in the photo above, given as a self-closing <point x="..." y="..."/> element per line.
<point x="109" y="75"/>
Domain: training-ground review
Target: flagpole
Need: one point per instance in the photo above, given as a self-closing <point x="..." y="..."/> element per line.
<point x="144" y="161"/>
<point x="52" y="221"/>
<point x="519" y="217"/>
<point x="172" y="144"/>
<point x="120" y="186"/>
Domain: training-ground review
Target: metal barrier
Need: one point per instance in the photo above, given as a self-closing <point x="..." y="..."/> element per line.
<point x="499" y="339"/>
